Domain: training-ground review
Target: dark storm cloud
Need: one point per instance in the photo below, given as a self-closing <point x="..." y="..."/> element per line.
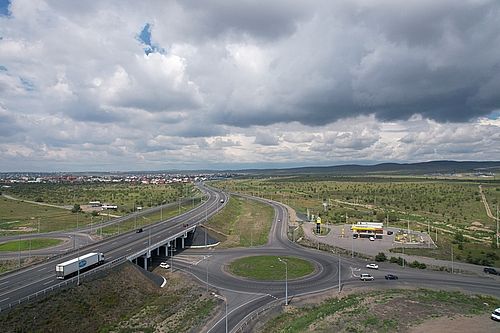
<point x="437" y="59"/>
<point x="260" y="19"/>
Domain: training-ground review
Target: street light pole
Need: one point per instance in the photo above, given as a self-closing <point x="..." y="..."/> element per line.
<point x="286" y="280"/>
<point x="225" y="302"/>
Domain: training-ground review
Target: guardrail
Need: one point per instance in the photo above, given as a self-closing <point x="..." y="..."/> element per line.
<point x="242" y="325"/>
<point x="65" y="283"/>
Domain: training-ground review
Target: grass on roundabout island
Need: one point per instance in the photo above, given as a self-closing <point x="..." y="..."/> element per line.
<point x="26" y="244"/>
<point x="269" y="268"/>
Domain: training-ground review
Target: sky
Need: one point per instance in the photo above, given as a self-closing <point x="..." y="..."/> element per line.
<point x="160" y="85"/>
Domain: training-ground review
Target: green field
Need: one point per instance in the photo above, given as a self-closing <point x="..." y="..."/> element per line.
<point x="269" y="268"/>
<point x="243" y="222"/>
<point x="450" y="206"/>
<point x="22" y="217"/>
<point x="29" y="244"/>
<point x="125" y="196"/>
<point x="380" y="311"/>
<point x="19" y="217"/>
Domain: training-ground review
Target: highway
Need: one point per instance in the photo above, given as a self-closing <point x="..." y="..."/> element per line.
<point x="19" y="284"/>
<point x="246" y="296"/>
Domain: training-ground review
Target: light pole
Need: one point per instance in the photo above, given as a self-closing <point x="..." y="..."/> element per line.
<point x="225" y="302"/>
<point x="207" y="272"/>
<point x="451" y="258"/>
<point x="497" y="226"/>
<point x="286" y="280"/>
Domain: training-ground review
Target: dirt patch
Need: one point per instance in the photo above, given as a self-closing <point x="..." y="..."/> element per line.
<point x="390" y="310"/>
<point x="457" y="324"/>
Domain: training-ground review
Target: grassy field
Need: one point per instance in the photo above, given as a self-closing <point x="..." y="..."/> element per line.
<point x="29" y="244"/>
<point x="243" y="223"/>
<point x="126" y="196"/>
<point x="269" y="268"/>
<point x="122" y="300"/>
<point x="452" y="207"/>
<point x="380" y="311"/>
<point x="22" y="217"/>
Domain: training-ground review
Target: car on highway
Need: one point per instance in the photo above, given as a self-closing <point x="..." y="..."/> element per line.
<point x="372" y="266"/>
<point x="366" y="277"/>
<point x="391" y="277"/>
<point x="138" y="230"/>
<point x="495" y="315"/>
<point x="491" y="270"/>
<point x="164" y="265"/>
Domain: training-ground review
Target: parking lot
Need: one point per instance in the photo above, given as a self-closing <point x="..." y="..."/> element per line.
<point x="342" y="236"/>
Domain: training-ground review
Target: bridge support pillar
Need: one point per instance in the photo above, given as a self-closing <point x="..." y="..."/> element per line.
<point x="158" y="251"/>
<point x="182" y="242"/>
<point x="145" y="262"/>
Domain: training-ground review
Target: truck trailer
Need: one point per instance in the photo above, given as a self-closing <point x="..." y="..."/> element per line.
<point x="83" y="263"/>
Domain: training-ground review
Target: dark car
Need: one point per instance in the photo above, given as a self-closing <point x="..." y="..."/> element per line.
<point x="390" y="232"/>
<point x="138" y="230"/>
<point x="490" y="270"/>
<point x="391" y="277"/>
<point x="354" y="235"/>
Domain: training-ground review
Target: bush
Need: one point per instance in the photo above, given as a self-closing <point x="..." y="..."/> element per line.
<point x="76" y="208"/>
<point x="381" y="257"/>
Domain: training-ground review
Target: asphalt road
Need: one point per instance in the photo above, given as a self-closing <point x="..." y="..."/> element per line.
<point x="246" y="296"/>
<point x="18" y="285"/>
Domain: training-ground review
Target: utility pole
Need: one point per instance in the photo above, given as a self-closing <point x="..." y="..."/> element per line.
<point x="429" y="233"/>
<point x="497" y="225"/>
<point x="451" y="258"/>
<point x="286" y="280"/>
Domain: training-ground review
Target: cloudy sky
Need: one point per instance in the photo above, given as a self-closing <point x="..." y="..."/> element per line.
<point x="127" y="85"/>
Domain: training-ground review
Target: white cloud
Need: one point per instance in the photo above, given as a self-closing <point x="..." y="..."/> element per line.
<point x="286" y="82"/>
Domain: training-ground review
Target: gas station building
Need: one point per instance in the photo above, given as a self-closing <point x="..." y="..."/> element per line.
<point x="368" y="229"/>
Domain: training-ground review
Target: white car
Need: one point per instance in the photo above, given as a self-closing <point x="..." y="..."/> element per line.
<point x="495" y="315"/>
<point x="164" y="265"/>
<point x="372" y="266"/>
<point x="366" y="277"/>
<point x="372" y="238"/>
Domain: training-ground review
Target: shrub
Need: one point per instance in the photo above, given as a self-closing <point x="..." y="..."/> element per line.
<point x="381" y="257"/>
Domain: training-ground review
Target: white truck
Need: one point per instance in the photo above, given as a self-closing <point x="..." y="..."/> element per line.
<point x="83" y="262"/>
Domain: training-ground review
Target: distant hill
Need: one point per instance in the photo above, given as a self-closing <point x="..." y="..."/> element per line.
<point x="432" y="167"/>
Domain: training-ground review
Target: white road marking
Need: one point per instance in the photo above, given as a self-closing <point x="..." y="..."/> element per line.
<point x="46" y="283"/>
<point x="41" y="269"/>
<point x="4" y="282"/>
<point x="1" y="300"/>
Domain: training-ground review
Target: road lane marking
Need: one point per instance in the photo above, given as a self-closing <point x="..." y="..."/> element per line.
<point x="41" y="269"/>
<point x="46" y="283"/>
<point x="4" y="282"/>
<point x="5" y="299"/>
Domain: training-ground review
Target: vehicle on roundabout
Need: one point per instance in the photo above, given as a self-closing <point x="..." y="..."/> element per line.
<point x="495" y="315"/>
<point x="366" y="277"/>
<point x="372" y="238"/>
<point x="391" y="277"/>
<point x="491" y="270"/>
<point x="164" y="265"/>
<point x="372" y="266"/>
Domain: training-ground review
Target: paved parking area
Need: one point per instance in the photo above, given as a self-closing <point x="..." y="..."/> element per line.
<point x="341" y="236"/>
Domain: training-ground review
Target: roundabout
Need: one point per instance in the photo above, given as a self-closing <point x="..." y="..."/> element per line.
<point x="271" y="268"/>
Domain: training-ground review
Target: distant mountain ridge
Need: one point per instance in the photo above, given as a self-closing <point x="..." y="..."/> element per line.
<point x="444" y="167"/>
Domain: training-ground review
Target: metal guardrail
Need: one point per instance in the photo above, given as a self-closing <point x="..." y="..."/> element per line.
<point x="46" y="291"/>
<point x="242" y="325"/>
